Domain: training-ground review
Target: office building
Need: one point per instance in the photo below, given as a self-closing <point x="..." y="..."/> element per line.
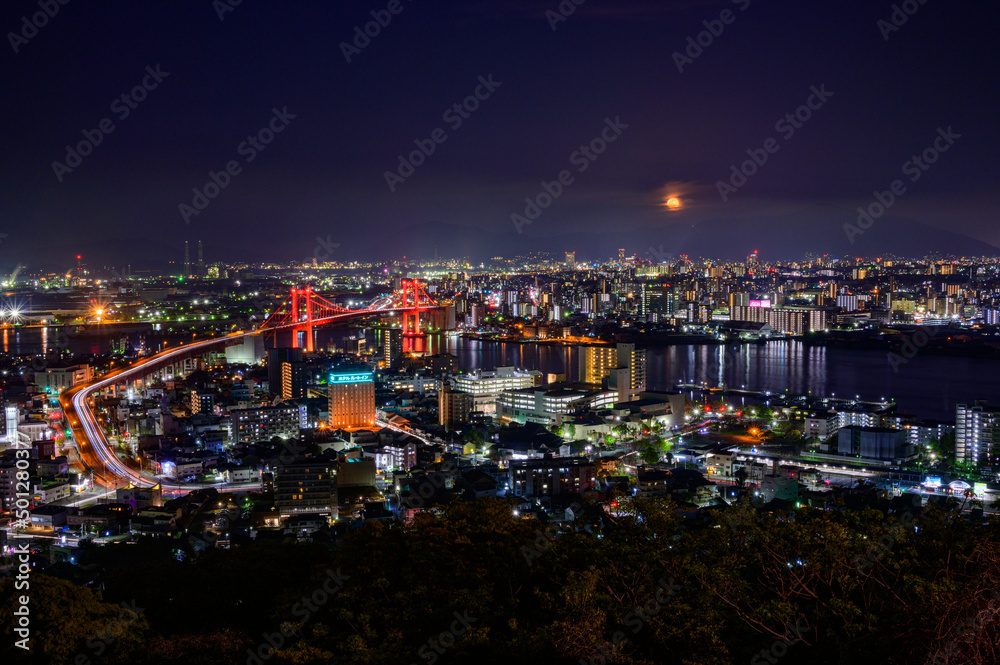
<point x="486" y="386"/>
<point x="352" y="398"/>
<point x="550" y="404"/>
<point x="62" y="376"/>
<point x="658" y="300"/>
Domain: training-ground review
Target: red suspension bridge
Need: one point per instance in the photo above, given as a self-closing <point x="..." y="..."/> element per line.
<point x="301" y="313"/>
<point x="304" y="310"/>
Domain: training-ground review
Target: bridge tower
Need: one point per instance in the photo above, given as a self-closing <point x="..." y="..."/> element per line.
<point x="302" y="313"/>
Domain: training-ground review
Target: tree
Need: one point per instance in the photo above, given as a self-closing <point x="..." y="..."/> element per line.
<point x="740" y="477"/>
<point x="474" y="436"/>
<point x="569" y="430"/>
<point x="650" y="455"/>
<point x="67" y="620"/>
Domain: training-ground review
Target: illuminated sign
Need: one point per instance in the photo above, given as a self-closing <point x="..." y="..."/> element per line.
<point x="766" y="304"/>
<point x="364" y="377"/>
<point x="979" y="489"/>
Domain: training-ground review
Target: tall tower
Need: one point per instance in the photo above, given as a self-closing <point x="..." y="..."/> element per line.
<point x="187" y="259"/>
<point x="201" y="261"/>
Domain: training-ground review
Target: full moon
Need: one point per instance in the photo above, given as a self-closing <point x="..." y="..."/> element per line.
<point x="673" y="203"/>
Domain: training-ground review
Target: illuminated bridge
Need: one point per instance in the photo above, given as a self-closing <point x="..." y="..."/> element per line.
<point x="301" y="313"/>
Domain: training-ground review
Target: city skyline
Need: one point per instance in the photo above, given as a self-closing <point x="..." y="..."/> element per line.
<point x="383" y="332"/>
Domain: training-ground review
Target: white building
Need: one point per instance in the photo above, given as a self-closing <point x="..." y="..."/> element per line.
<point x="485" y="387"/>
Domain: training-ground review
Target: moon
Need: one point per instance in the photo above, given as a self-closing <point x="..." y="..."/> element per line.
<point x="673" y="203"/>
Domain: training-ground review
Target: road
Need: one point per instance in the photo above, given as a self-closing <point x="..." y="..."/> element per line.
<point x="94" y="448"/>
<point x="92" y="443"/>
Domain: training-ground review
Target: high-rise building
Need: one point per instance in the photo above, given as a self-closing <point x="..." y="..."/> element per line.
<point x="202" y="401"/>
<point x="635" y="361"/>
<point x="658" y="299"/>
<point x="306" y="487"/>
<point x="8" y="484"/>
<point x="392" y="347"/>
<point x="597" y="362"/>
<point x="275" y="358"/>
<point x="352" y="398"/>
<point x="454" y="407"/>
<point x="977" y="434"/>
<point x="293" y="379"/>
<point x="570" y="259"/>
<point x="475" y="317"/>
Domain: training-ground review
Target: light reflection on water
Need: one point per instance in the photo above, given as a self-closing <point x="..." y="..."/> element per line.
<point x="928" y="385"/>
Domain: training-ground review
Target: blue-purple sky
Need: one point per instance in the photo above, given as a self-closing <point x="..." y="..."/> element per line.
<point x="324" y="175"/>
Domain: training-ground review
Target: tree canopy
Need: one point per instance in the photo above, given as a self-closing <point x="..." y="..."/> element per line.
<point x="641" y="584"/>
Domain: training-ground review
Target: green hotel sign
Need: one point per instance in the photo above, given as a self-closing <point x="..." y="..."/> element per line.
<point x="363" y="377"/>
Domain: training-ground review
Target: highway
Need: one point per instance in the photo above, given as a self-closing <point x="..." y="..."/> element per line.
<point x="95" y="449"/>
<point x="97" y="452"/>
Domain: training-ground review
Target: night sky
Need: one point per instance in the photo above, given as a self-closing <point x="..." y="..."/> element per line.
<point x="324" y="174"/>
